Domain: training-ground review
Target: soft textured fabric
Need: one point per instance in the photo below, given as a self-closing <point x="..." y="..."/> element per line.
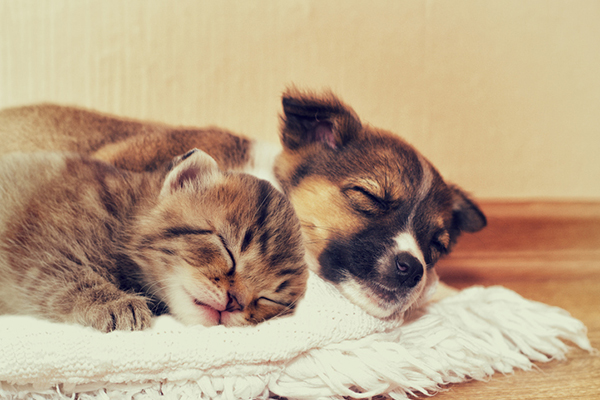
<point x="328" y="348"/>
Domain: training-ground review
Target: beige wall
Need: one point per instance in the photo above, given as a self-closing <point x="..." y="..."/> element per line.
<point x="503" y="96"/>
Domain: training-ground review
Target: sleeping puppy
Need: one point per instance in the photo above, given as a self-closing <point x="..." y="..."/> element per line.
<point x="376" y="215"/>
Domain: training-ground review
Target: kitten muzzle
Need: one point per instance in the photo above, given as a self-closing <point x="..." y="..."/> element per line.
<point x="233" y="304"/>
<point x="216" y="314"/>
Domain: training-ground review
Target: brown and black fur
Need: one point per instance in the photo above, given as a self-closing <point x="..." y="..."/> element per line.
<point x="376" y="215"/>
<point x="84" y="242"/>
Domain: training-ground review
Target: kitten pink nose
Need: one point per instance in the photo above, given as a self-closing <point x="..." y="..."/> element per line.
<point x="233" y="304"/>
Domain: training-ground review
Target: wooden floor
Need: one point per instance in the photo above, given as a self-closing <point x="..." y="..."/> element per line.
<point x="549" y="252"/>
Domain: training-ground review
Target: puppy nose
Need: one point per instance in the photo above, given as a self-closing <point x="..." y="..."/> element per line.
<point x="233" y="304"/>
<point x="409" y="269"/>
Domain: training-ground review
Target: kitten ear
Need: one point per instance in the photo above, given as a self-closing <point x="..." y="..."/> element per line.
<point x="466" y="215"/>
<point x="194" y="167"/>
<point x="308" y="118"/>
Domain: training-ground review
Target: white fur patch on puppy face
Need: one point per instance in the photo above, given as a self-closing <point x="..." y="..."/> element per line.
<point x="406" y="242"/>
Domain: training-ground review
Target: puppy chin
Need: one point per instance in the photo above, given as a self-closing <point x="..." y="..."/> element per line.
<point x="366" y="297"/>
<point x="429" y="289"/>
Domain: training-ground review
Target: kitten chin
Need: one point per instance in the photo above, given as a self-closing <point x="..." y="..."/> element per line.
<point x="186" y="309"/>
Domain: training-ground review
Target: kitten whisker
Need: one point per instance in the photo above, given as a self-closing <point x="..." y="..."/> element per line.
<point x="288" y="309"/>
<point x="259" y="207"/>
<point x="324" y="228"/>
<point x="319" y="241"/>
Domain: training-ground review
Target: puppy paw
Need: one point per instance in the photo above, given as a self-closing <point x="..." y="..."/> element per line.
<point x="126" y="313"/>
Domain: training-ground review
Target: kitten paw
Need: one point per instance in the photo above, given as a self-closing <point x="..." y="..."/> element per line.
<point x="127" y="313"/>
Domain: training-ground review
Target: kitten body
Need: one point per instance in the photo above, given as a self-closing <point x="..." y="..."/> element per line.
<point x="84" y="242"/>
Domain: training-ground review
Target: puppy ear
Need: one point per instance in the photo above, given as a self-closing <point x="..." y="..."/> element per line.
<point x="308" y="118"/>
<point x="192" y="169"/>
<point x="466" y="215"/>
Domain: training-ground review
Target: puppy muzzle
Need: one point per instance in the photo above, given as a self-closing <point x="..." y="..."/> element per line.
<point x="408" y="270"/>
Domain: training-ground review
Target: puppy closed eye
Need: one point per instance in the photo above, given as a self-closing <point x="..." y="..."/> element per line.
<point x="364" y="200"/>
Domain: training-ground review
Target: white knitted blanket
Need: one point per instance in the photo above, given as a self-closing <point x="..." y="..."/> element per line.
<point x="327" y="349"/>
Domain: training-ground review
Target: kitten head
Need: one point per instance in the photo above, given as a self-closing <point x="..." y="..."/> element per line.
<point x="219" y="247"/>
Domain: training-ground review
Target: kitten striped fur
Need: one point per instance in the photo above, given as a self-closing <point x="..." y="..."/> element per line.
<point x="84" y="242"/>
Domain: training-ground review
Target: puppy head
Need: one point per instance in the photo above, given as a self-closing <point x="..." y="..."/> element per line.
<point x="376" y="215"/>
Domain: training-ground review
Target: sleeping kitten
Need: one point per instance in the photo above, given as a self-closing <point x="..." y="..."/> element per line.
<point x="84" y="242"/>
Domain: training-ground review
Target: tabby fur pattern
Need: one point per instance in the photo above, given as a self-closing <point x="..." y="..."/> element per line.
<point x="84" y="242"/>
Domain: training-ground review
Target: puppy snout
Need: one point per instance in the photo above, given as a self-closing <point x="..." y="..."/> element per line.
<point x="409" y="270"/>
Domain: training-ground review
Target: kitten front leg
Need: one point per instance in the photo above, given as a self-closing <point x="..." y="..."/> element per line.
<point x="99" y="304"/>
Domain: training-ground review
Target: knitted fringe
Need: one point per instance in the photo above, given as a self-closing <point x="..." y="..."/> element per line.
<point x="467" y="336"/>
